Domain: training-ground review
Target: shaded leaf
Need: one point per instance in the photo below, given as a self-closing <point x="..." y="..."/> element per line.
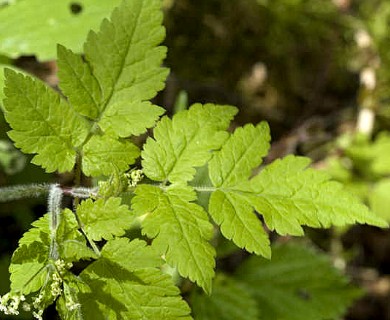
<point x="229" y="301"/>
<point x="297" y="283"/>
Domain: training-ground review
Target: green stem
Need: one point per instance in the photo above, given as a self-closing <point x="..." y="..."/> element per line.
<point x="81" y="192"/>
<point x="81" y="227"/>
<point x="90" y="241"/>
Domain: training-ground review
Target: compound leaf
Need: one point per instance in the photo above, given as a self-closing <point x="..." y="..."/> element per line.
<point x="185" y="142"/>
<point x="297" y="281"/>
<point x="121" y="287"/>
<point x="35" y="29"/>
<point x="285" y="193"/>
<point x="180" y="230"/>
<point x="104" y="219"/>
<point x="42" y="122"/>
<point x="104" y="154"/>
<point x="126" y="61"/>
<point x="230" y="300"/>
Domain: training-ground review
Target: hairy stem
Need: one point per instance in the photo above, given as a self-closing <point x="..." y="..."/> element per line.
<point x="54" y="208"/>
<point x="80" y="192"/>
<point x="23" y="191"/>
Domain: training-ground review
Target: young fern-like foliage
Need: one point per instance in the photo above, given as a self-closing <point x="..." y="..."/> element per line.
<point x="107" y="96"/>
<point x="107" y="101"/>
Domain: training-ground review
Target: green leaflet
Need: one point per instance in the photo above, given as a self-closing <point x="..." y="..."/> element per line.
<point x="2" y="80"/>
<point x="296" y="284"/>
<point x="34" y="29"/>
<point x="235" y="216"/>
<point x="180" y="230"/>
<point x="230" y="300"/>
<point x="102" y="155"/>
<point x="28" y="267"/>
<point x="126" y="62"/>
<point x="123" y="118"/>
<point x="126" y="118"/>
<point x="240" y="155"/>
<point x="232" y="166"/>
<point x="104" y="219"/>
<point x="285" y="193"/>
<point x="288" y="195"/>
<point x="123" y="288"/>
<point x="78" y="84"/>
<point x="185" y="142"/>
<point x="72" y="244"/>
<point x="42" y="122"/>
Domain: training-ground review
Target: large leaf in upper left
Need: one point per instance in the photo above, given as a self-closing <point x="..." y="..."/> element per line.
<point x="42" y="122"/>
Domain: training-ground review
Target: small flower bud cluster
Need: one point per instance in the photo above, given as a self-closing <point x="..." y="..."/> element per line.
<point x="9" y="303"/>
<point x="38" y="314"/>
<point x="134" y="177"/>
<point x="56" y="285"/>
<point x="62" y="266"/>
<point x="71" y="305"/>
<point x="36" y="304"/>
